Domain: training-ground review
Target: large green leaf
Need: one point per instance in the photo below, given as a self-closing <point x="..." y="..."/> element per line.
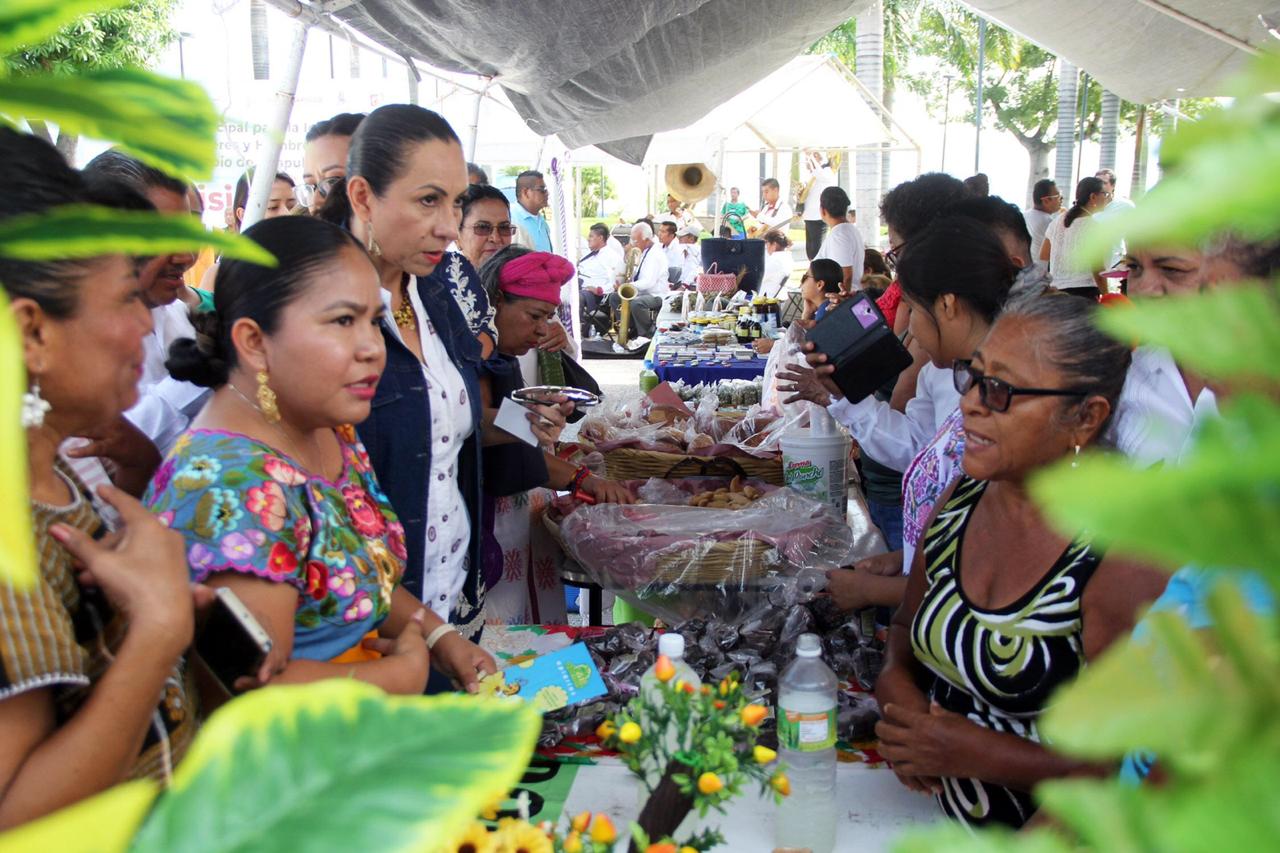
<point x="339" y="765"/>
<point x="170" y="124"/>
<point x="101" y="824"/>
<point x="953" y="838"/>
<point x="27" y="22"/>
<point x="17" y="541"/>
<point x="1229" y="333"/>
<point x="1226" y="177"/>
<point x="1219" y="507"/>
<point x="85" y="231"/>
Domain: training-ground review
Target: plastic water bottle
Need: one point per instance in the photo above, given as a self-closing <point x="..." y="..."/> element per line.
<point x="806" y="741"/>
<point x="672" y="645"/>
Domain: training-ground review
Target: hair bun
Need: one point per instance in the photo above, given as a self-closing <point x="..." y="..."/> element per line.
<point x="200" y="360"/>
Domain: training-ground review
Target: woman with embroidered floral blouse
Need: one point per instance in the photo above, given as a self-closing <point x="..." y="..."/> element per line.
<point x="272" y="491"/>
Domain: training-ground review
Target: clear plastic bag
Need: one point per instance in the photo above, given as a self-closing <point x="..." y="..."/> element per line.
<point x="679" y="562"/>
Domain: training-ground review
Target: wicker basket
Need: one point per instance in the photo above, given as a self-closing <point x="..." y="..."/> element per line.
<point x="631" y="463"/>
<point x="744" y="559"/>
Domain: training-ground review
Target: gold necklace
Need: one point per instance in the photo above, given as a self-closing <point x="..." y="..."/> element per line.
<point x="293" y="448"/>
<point x="404" y="315"/>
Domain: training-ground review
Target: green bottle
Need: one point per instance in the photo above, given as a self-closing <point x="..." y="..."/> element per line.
<point x="648" y="380"/>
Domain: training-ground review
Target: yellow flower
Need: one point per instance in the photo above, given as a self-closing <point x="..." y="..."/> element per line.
<point x="724" y="687"/>
<point x="517" y="836"/>
<point x="606" y="730"/>
<point x="763" y="754"/>
<point x="602" y="831"/>
<point x="664" y="670"/>
<point x="664" y="847"/>
<point x="753" y="714"/>
<point x="629" y="733"/>
<point x="490" y="812"/>
<point x="580" y="822"/>
<point x="781" y="784"/>
<point x="680" y="685"/>
<point x="709" y="783"/>
<point x="573" y="843"/>
<point x="476" y="839"/>
<point x="687" y="850"/>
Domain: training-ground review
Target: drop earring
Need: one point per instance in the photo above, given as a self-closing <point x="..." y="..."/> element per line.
<point x="34" y="407"/>
<point x="267" y="399"/>
<point x="1075" y="463"/>
<point x="371" y="245"/>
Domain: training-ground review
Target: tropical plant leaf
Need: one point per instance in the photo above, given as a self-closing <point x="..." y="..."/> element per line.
<point x="170" y="124"/>
<point x="85" y="231"/>
<point x="1218" y="507"/>
<point x="1104" y="815"/>
<point x="17" y="540"/>
<point x="26" y="22"/>
<point x="101" y="824"/>
<point x="1211" y="191"/>
<point x="340" y="765"/>
<point x="1229" y="333"/>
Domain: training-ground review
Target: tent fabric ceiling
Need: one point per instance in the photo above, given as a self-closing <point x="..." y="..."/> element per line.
<point x="597" y="73"/>
<point x="1133" y="48"/>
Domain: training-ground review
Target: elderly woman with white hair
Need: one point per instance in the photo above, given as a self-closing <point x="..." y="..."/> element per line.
<point x="649" y="275"/>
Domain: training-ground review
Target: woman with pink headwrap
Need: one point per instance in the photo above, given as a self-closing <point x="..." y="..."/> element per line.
<point x="521" y="560"/>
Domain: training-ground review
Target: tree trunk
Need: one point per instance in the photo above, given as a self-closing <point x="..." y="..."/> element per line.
<point x="869" y="68"/>
<point x="1110" y="129"/>
<point x="1068" y="94"/>
<point x="1138" y="178"/>
<point x="258" y="41"/>
<point x="1039" y="152"/>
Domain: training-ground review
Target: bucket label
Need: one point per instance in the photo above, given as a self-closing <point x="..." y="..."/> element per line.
<point x="802" y="472"/>
<point x="807" y="732"/>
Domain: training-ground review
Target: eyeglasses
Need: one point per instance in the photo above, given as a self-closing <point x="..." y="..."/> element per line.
<point x="1054" y="197"/>
<point x="484" y="229"/>
<point x="306" y="194"/>
<point x="541" y="189"/>
<point x="996" y="394"/>
<point x="894" y="253"/>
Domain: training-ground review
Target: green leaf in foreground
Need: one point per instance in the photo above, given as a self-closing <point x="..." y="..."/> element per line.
<point x="1225" y="180"/>
<point x="26" y="22"/>
<point x="1232" y="332"/>
<point x="17" y="541"/>
<point x="953" y="838"/>
<point x="340" y="765"/>
<point x="170" y="124"/>
<point x="1219" y="506"/>
<point x="86" y="231"/>
<point x="101" y="824"/>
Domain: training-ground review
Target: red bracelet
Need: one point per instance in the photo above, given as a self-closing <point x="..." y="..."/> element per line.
<point x="575" y="485"/>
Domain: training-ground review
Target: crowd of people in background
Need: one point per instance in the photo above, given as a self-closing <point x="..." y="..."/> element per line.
<point x="319" y="438"/>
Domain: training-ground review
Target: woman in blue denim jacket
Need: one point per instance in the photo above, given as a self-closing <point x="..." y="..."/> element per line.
<point x="406" y="176"/>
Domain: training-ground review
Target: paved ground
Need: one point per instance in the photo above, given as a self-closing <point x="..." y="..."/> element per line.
<point x="615" y="375"/>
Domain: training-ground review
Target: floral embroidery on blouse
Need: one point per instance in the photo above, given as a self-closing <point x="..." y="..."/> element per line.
<point x="469" y="295"/>
<point x="244" y="507"/>
<point x="929" y="475"/>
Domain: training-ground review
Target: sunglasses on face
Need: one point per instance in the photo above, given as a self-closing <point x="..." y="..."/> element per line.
<point x="894" y="253"/>
<point x="484" y="229"/>
<point x="307" y="193"/>
<point x="996" y="394"/>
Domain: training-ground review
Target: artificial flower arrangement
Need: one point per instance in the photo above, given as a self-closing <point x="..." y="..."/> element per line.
<point x="692" y="748"/>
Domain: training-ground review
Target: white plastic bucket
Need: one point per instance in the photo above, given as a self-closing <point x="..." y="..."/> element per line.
<point x="815" y="461"/>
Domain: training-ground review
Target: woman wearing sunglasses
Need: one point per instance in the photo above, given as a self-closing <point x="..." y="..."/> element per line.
<point x="1001" y="610"/>
<point x="955" y="280"/>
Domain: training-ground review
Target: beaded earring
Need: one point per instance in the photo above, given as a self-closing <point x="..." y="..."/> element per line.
<point x="34" y="407"/>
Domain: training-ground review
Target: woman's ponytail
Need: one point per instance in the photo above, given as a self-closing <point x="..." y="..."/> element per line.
<point x="1085" y="190"/>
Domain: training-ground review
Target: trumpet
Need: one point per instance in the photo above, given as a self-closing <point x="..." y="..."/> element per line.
<point x="626" y="292"/>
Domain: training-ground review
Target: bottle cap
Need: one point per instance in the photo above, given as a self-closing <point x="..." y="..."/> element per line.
<point x="808" y="646"/>
<point x="671" y="645"/>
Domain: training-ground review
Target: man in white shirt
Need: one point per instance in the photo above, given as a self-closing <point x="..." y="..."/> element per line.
<point x="165" y="406"/>
<point x="843" y="243"/>
<point x="677" y="213"/>
<point x="596" y="274"/>
<point x="671" y="248"/>
<point x="819" y="177"/>
<point x="650" y="280"/>
<point x="773" y="212"/>
<point x="687" y="237"/>
<point x="1046" y="204"/>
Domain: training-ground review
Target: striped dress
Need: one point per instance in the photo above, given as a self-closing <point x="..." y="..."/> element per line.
<point x="62" y="636"/>
<point x="998" y="667"/>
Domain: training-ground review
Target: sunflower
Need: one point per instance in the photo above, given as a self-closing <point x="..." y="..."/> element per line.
<point x="476" y="839"/>
<point x="516" y="836"/>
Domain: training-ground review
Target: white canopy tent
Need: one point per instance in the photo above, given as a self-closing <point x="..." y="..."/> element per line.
<point x="811" y="102"/>
<point x="1143" y="50"/>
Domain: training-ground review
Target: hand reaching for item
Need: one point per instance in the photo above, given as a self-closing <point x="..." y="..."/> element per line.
<point x="463" y="661"/>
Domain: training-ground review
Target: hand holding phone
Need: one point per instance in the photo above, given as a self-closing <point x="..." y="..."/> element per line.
<point x="232" y="643"/>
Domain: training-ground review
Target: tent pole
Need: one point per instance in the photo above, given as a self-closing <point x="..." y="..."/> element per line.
<point x="264" y="175"/>
<point x="475" y="120"/>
